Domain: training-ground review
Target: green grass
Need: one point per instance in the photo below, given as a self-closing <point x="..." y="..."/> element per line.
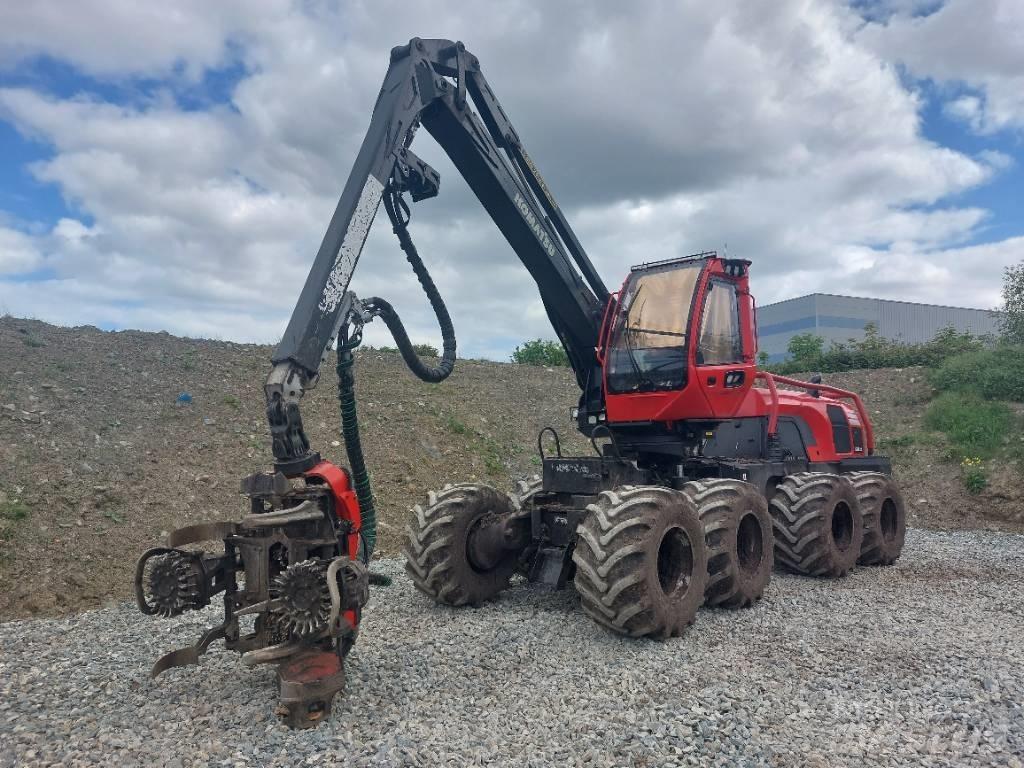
<point x="34" y="343"/>
<point x="974" y="476"/>
<point x="60" y="366"/>
<point x="493" y="461"/>
<point x="15" y="511"/>
<point x="456" y="427"/>
<point x="11" y="513"/>
<point x="232" y="401"/>
<point x="996" y="373"/>
<point x="976" y="428"/>
<point x="898" y="442"/>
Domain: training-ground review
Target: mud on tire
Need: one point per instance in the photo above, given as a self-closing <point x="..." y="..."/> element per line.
<point x="739" y="539"/>
<point x="436" y="556"/>
<point x="818" y="524"/>
<point x="641" y="561"/>
<point x="884" y="515"/>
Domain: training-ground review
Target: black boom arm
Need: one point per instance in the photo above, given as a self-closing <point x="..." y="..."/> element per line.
<point x="427" y="84"/>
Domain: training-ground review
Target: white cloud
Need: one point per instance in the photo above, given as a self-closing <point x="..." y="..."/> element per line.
<point x="977" y="44"/>
<point x="116" y="38"/>
<point x="18" y="252"/>
<point x="662" y="130"/>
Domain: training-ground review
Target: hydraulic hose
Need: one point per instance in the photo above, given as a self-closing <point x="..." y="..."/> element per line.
<point x="353" y="445"/>
<point x="396" y="207"/>
<point x="398" y="213"/>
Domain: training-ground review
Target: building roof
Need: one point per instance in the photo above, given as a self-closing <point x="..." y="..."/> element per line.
<point x="884" y="301"/>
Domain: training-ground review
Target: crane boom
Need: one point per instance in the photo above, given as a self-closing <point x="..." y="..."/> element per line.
<point x="427" y="83"/>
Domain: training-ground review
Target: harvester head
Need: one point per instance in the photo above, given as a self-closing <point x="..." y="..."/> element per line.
<point x="293" y="579"/>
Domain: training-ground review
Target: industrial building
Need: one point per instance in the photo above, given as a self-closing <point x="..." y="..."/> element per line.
<point x="841" y="318"/>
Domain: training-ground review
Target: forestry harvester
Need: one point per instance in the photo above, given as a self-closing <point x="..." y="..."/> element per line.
<point x="705" y="470"/>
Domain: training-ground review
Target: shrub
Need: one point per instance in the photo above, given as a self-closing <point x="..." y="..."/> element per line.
<point x="974" y="476"/>
<point x="426" y="350"/>
<point x="997" y="373"/>
<point x="975" y="427"/>
<point x="1011" y="322"/>
<point x="541" y="352"/>
<point x="455" y="426"/>
<point x="806" y="349"/>
<point x="874" y="351"/>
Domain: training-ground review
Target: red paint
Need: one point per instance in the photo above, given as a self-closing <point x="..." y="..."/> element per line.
<point x="346" y="505"/>
<point x="704" y="396"/>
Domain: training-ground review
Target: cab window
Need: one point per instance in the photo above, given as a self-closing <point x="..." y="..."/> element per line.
<point x="720" y="340"/>
<point x="649" y="339"/>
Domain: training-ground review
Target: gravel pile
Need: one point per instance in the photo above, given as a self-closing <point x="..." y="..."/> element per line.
<point x="919" y="664"/>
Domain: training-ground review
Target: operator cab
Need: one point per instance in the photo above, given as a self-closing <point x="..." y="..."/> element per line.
<point x="675" y="321"/>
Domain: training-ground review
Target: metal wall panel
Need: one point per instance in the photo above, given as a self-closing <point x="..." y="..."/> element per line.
<point x="841" y="318"/>
<point x="778" y="323"/>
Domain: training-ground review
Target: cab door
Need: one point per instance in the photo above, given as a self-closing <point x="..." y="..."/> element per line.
<point x="724" y="368"/>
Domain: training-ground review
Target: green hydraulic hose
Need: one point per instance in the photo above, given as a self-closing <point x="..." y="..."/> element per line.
<point x="353" y="445"/>
<point x="395" y="207"/>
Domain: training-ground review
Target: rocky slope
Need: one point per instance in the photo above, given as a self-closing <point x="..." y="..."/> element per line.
<point x="97" y="457"/>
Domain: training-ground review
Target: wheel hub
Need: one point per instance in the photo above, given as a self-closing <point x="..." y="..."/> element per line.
<point x="675" y="562"/>
<point x="749" y="544"/>
<point x="842" y="526"/>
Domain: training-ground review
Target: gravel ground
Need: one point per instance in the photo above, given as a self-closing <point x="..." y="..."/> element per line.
<point x="919" y="664"/>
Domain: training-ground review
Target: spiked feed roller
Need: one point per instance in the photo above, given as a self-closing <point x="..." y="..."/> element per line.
<point x="302" y="601"/>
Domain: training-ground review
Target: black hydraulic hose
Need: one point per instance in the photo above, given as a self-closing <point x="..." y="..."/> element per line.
<point x="398" y="213"/>
<point x="353" y="445"/>
<point x="395" y="206"/>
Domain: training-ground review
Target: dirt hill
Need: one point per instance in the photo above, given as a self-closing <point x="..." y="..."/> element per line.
<point x="98" y="458"/>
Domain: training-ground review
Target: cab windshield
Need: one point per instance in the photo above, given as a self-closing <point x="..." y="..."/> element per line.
<point x="647" y="350"/>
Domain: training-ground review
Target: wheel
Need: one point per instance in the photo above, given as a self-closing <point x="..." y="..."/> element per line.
<point x="739" y="539"/>
<point x="436" y="555"/>
<point x="818" y="525"/>
<point x="527" y="489"/>
<point x="523" y="497"/>
<point x="884" y="515"/>
<point x="641" y="561"/>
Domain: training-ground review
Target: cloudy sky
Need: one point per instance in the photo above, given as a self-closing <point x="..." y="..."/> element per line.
<point x="174" y="165"/>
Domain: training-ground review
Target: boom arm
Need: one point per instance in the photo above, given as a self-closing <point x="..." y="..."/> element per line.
<point x="427" y="83"/>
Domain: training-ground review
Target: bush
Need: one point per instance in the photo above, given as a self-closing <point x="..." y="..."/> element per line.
<point x="806" y="349"/>
<point x="874" y="351"/>
<point x="1011" y="322"/>
<point x="997" y="373"/>
<point x="976" y="428"/>
<point x="540" y="352"/>
<point x="974" y="477"/>
<point x="426" y="350"/>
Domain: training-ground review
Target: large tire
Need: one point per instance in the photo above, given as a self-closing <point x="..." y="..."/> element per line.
<point x="523" y="498"/>
<point x="641" y="561"/>
<point x="527" y="489"/>
<point x="884" y="515"/>
<point x="818" y="524"/>
<point x="436" y="553"/>
<point x="738" y="534"/>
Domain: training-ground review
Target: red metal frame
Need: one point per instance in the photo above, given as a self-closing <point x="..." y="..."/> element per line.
<point x="346" y="507"/>
<point x="602" y="340"/>
<point x="807" y="386"/>
<point x="346" y="504"/>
